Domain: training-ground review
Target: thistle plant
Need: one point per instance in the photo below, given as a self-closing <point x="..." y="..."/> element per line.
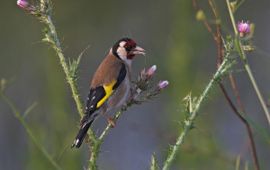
<point x="243" y="28"/>
<point x="145" y="88"/>
<point x="243" y="57"/>
<point x="142" y="90"/>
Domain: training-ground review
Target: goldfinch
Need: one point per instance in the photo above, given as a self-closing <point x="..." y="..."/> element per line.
<point x="111" y="84"/>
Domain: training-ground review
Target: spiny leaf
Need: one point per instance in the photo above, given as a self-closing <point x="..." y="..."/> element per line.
<point x="154" y="163"/>
<point x="74" y="64"/>
<point x="29" y="109"/>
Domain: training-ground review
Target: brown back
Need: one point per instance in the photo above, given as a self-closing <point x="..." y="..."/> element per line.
<point x="107" y="71"/>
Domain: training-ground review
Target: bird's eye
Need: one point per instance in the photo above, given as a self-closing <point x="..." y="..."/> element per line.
<point x="128" y="48"/>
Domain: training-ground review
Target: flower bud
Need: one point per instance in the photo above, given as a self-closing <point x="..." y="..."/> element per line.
<point x="243" y="28"/>
<point x="200" y="16"/>
<point x="163" y="84"/>
<point x="23" y="4"/>
<point x="151" y="71"/>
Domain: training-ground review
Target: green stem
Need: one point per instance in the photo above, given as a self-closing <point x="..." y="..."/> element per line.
<point x="18" y="115"/>
<point x="96" y="146"/>
<point x="59" y="51"/>
<point x="189" y="121"/>
<point x="106" y="130"/>
<point x="74" y="90"/>
<point x="94" y="155"/>
<point x="246" y="65"/>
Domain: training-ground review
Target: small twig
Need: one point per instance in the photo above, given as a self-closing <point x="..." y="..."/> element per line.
<point x="220" y="49"/>
<point x="142" y="91"/>
<point x="189" y="121"/>
<point x="19" y="116"/>
<point x="249" y="130"/>
<point x="96" y="146"/>
<point x="53" y="39"/>
<point x="246" y="123"/>
<point x="95" y="149"/>
<point x="59" y="51"/>
<point x="243" y="57"/>
<point x="205" y="22"/>
<point x="29" y="109"/>
<point x="236" y="93"/>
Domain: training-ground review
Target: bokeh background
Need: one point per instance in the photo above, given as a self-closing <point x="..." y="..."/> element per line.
<point x="185" y="55"/>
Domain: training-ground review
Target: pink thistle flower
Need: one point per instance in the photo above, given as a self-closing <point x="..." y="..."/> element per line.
<point x="23" y="4"/>
<point x="243" y="28"/>
<point x="163" y="84"/>
<point x="150" y="72"/>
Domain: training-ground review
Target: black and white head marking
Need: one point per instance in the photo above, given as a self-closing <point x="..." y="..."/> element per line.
<point x="125" y="49"/>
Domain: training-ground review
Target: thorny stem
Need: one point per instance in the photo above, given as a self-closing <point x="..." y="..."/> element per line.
<point x="246" y="64"/>
<point x="94" y="150"/>
<point x="52" y="38"/>
<point x="57" y="47"/>
<point x="189" y="122"/>
<point x="96" y="147"/>
<point x="65" y="66"/>
<point x="220" y="49"/>
<point x="108" y="127"/>
<point x="18" y="115"/>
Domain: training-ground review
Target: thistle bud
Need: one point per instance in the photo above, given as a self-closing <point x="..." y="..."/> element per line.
<point x="163" y="84"/>
<point x="150" y="72"/>
<point x="243" y="28"/>
<point x="23" y="4"/>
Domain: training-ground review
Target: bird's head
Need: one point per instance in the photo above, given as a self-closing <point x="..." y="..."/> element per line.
<point x="126" y="48"/>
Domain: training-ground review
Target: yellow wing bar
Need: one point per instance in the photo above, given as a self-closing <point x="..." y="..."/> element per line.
<point x="108" y="92"/>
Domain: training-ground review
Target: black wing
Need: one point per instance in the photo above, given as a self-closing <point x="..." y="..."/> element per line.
<point x="121" y="76"/>
<point x="100" y="94"/>
<point x="96" y="98"/>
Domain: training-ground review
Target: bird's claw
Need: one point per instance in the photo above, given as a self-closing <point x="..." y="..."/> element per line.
<point x="111" y="121"/>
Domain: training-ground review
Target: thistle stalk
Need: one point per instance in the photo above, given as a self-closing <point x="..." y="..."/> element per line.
<point x="244" y="59"/>
<point x="188" y="123"/>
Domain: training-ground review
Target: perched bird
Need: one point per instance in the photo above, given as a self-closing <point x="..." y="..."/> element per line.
<point x="110" y="85"/>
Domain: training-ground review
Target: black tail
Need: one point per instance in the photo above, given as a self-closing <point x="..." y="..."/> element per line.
<point x="85" y="125"/>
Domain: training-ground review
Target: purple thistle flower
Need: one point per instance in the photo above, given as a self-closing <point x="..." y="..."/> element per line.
<point x="23" y="4"/>
<point x="150" y="72"/>
<point x="163" y="84"/>
<point x="243" y="28"/>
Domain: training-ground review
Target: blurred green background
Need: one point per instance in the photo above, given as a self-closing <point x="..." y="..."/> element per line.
<point x="185" y="55"/>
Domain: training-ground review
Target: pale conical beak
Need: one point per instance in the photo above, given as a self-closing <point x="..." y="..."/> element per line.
<point x="138" y="50"/>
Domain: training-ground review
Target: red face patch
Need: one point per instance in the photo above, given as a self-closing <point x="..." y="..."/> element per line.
<point x="130" y="44"/>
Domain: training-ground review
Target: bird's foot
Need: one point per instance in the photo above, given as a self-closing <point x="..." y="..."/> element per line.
<point x="111" y="121"/>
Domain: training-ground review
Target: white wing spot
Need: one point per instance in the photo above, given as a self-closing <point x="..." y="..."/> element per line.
<point x="77" y="141"/>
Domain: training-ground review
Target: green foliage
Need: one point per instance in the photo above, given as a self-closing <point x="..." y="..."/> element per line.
<point x="154" y="163"/>
<point x="73" y="68"/>
<point x="182" y="42"/>
<point x="38" y="144"/>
